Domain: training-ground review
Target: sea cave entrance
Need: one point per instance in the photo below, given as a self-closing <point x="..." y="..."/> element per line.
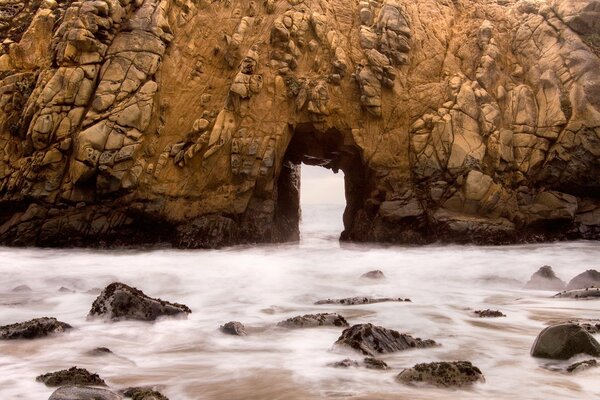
<point x="331" y="149"/>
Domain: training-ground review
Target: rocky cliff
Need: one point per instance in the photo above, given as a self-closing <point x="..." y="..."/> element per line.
<point x="185" y="122"/>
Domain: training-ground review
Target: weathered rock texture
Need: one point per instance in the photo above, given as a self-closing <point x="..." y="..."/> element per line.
<point x="83" y="392"/>
<point x="352" y="301"/>
<point x="444" y="374"/>
<point x="545" y="279"/>
<point x="185" y="122"/>
<point x="564" y="341"/>
<point x="71" y="376"/>
<point x="35" y="328"/>
<point x="314" y="320"/>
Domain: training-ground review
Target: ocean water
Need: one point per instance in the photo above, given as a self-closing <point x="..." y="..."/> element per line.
<point x="262" y="285"/>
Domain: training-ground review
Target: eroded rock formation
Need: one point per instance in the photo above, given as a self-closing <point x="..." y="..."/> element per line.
<point x="180" y="121"/>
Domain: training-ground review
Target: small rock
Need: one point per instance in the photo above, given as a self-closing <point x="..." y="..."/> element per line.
<point x="352" y="301"/>
<point x="444" y="374"/>
<point x="65" y="290"/>
<point x="582" y="365"/>
<point x="99" y="351"/>
<point x="83" y="393"/>
<point x="489" y="313"/>
<point x="121" y="302"/>
<point x="587" y="279"/>
<point x="563" y="341"/>
<point x="36" y="328"/>
<point x="21" y="288"/>
<point x="144" y="393"/>
<point x="545" y="279"/>
<point x="234" y="328"/>
<point x="376" y="274"/>
<point x="372" y="340"/>
<point x="71" y="376"/>
<point x="346" y="363"/>
<point x="579" y="293"/>
<point x="314" y="320"/>
<point x="375" y="363"/>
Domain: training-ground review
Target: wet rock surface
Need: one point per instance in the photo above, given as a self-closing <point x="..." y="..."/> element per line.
<point x="372" y="340"/>
<point x="122" y="302"/>
<point x="564" y="341"/>
<point x="375" y="274"/>
<point x="33" y="329"/>
<point x="545" y="279"/>
<point x="71" y="376"/>
<point x="234" y="328"/>
<point x="314" y="320"/>
<point x="352" y="301"/>
<point x="142" y="393"/>
<point x="442" y="374"/>
<point x="375" y="363"/>
<point x="582" y="366"/>
<point x="587" y="279"/>
<point x="587" y="293"/>
<point x="83" y="393"/>
<point x="489" y="313"/>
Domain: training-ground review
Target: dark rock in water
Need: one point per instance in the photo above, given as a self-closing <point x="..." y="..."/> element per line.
<point x="83" y="393"/>
<point x="372" y="340"/>
<point x="234" y="328"/>
<point x="352" y="301"/>
<point x="346" y="363"/>
<point x="376" y="274"/>
<point x="586" y="293"/>
<point x="100" y="351"/>
<point x="545" y="279"/>
<point x="314" y="320"/>
<point x="21" y="288"/>
<point x="143" y="393"/>
<point x="582" y="365"/>
<point x="121" y="302"/>
<point x="489" y="313"/>
<point x="443" y="374"/>
<point x="65" y="290"/>
<point x="587" y="279"/>
<point x="563" y="341"/>
<point x="375" y="363"/>
<point x="36" y="328"/>
<point x="71" y="376"/>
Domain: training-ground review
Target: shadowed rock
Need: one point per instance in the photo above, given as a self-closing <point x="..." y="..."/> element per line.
<point x="352" y="301"/>
<point x="582" y="366"/>
<point x="36" y="328"/>
<point x="376" y="274"/>
<point x="71" y="376"/>
<point x="563" y="341"/>
<point x="234" y="328"/>
<point x="99" y="351"/>
<point x="314" y="320"/>
<point x="346" y="363"/>
<point x="586" y="293"/>
<point x="375" y="363"/>
<point x="141" y="393"/>
<point x="587" y="279"/>
<point x="368" y="362"/>
<point x="545" y="279"/>
<point x="372" y="340"/>
<point x="489" y="313"/>
<point x="83" y="393"/>
<point x="121" y="302"/>
<point x="443" y="374"/>
<point x="21" y="288"/>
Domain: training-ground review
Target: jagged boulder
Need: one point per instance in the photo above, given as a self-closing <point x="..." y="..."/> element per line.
<point x="71" y="376"/>
<point x="83" y="393"/>
<point x="234" y="328"/>
<point x="36" y="328"/>
<point x="443" y="374"/>
<point x="545" y="279"/>
<point x="564" y="341"/>
<point x="314" y="320"/>
<point x="122" y="302"/>
<point x="372" y="340"/>
<point x="587" y="279"/>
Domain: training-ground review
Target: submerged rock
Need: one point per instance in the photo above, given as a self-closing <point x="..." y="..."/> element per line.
<point x="99" y="351"/>
<point x="375" y="274"/>
<point x="375" y="363"/>
<point x="587" y="279"/>
<point x="443" y="374"/>
<point x="21" y="288"/>
<point x="121" y="302"/>
<point x="582" y="366"/>
<point x="71" y="376"/>
<point x="489" y="313"/>
<point x="545" y="279"/>
<point x="36" y="328"/>
<point x="234" y="328"/>
<point x="144" y="393"/>
<point x="346" y="363"/>
<point x="314" y="320"/>
<point x="352" y="301"/>
<point x="372" y="340"/>
<point x="83" y="393"/>
<point x="586" y="293"/>
<point x="563" y="341"/>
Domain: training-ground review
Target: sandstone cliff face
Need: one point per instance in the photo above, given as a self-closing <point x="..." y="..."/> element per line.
<point x="185" y="122"/>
